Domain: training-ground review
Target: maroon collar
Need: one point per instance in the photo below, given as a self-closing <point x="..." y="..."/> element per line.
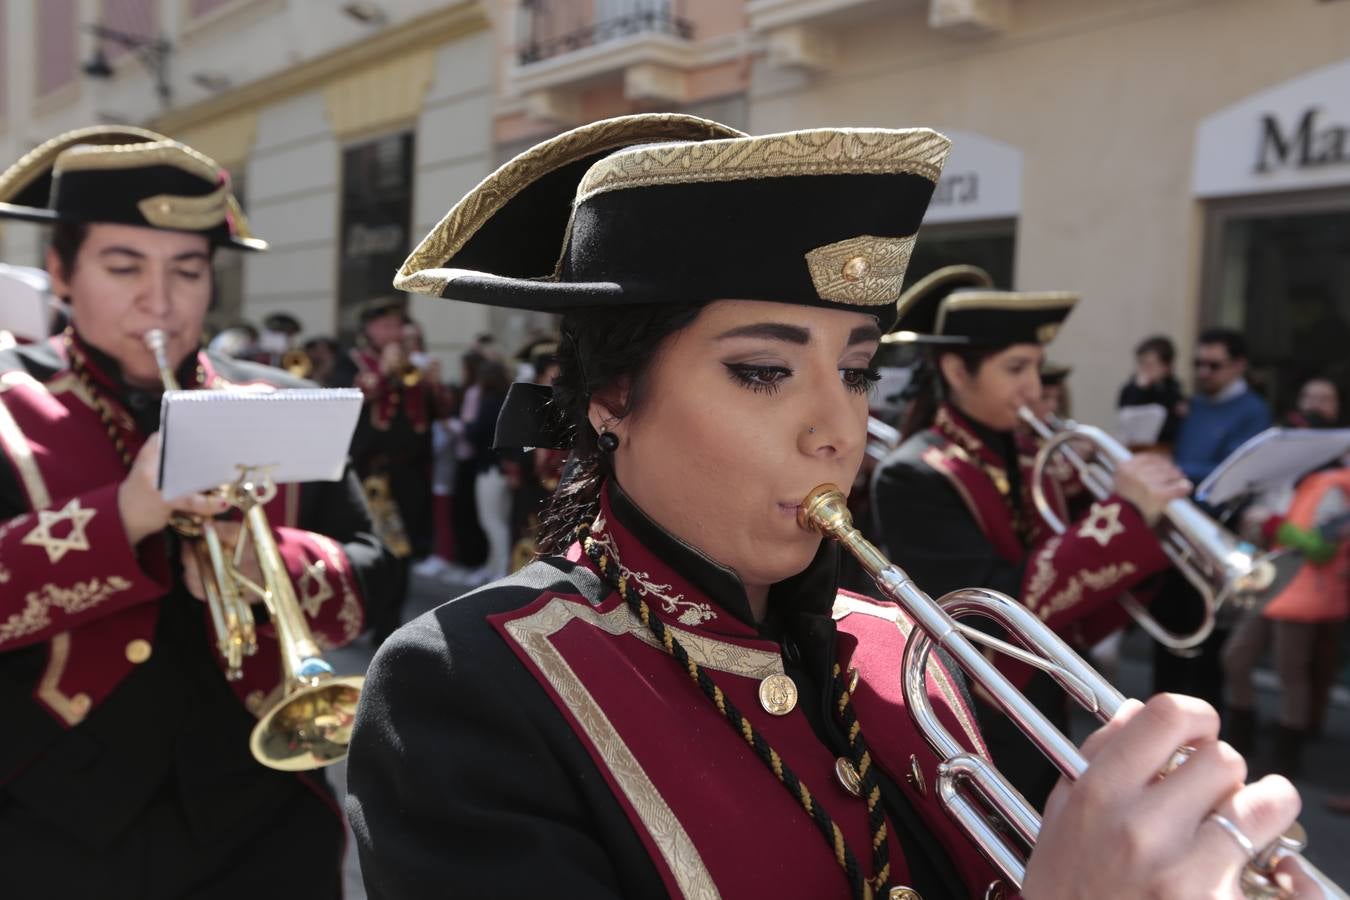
<point x="684" y="586"/>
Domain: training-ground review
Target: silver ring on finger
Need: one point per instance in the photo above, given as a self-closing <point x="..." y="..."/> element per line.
<point x="1244" y="843"/>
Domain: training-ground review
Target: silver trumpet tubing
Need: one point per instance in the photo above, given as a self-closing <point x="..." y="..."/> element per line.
<point x="1221" y="566"/>
<point x="996" y="817"/>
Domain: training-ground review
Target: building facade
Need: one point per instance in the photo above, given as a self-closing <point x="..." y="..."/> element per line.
<point x="1178" y="162"/>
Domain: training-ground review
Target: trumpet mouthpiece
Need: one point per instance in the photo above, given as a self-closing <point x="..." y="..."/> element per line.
<point x="824" y="510"/>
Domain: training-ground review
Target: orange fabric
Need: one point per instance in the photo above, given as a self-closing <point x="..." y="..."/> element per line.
<point x="1318" y="593"/>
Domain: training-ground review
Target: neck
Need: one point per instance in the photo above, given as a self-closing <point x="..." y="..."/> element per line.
<point x="758" y="597"/>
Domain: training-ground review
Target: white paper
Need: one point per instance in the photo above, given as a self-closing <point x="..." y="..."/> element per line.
<point x="1140" y="426"/>
<point x="1273" y="458"/>
<point x="24" y="308"/>
<point x="294" y="435"/>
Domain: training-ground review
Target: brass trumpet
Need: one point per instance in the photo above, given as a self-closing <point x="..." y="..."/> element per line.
<point x="1222" y="567"/>
<point x="309" y="726"/>
<point x="998" y="819"/>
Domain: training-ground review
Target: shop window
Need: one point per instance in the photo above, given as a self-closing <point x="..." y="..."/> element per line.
<point x="1279" y="271"/>
<point x="377" y="192"/>
<point x="989" y="245"/>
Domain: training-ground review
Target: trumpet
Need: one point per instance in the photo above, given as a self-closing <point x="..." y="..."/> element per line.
<point x="309" y="726"/>
<point x="996" y="817"/>
<point x="1222" y="567"/>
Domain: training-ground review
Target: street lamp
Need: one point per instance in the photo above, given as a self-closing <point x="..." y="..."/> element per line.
<point x="152" y="52"/>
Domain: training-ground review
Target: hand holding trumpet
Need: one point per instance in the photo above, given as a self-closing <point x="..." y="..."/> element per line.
<point x="143" y="510"/>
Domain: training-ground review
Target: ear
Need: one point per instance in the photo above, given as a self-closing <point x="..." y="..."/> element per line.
<point x="606" y="404"/>
<point x="57" y="271"/>
<point x="953" y="370"/>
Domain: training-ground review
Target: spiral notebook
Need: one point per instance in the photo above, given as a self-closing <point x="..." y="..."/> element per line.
<point x="293" y="435"/>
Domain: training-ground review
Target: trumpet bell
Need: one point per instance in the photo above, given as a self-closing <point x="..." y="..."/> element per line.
<point x="309" y="728"/>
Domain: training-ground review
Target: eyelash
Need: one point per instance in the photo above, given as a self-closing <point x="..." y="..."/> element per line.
<point x="859" y="381"/>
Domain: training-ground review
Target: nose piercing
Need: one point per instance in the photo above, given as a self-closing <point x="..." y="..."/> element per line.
<point x="811" y="430"/>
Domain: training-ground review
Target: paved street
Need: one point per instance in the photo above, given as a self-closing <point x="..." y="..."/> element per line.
<point x="1325" y="761"/>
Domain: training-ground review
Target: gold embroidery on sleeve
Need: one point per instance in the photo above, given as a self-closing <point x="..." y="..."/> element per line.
<point x="77" y="598"/>
<point x="313" y="587"/>
<point x="350" y="615"/>
<point x="1102" y="524"/>
<point x="75" y="539"/>
<point x="1043" y="578"/>
<point x="1089" y="579"/>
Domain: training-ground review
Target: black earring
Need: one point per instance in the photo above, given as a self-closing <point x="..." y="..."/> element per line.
<point x="608" y="441"/>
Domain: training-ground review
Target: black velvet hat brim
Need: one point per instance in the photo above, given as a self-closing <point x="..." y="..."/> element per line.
<point x="44" y="216"/>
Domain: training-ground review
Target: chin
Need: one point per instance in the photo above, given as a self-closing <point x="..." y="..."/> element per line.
<point x="782" y="560"/>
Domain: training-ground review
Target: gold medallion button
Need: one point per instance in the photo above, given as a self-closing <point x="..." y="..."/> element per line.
<point x="79" y="706"/>
<point x="856" y="268"/>
<point x="778" y="695"/>
<point x="847" y="774"/>
<point x="915" y="776"/>
<point x="904" y="893"/>
<point x="138" y="651"/>
<point x="165" y="207"/>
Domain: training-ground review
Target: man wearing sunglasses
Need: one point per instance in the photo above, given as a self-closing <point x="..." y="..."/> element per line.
<point x="1224" y="411"/>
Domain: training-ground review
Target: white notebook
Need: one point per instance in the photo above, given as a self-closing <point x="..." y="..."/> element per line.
<point x="295" y="435"/>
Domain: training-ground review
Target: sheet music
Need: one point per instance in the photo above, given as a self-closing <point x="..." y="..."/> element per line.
<point x="1276" y="457"/>
<point x="24" y="308"/>
<point x="296" y="435"/>
<point x="1140" y="426"/>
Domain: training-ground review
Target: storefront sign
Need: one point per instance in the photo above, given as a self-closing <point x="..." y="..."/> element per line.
<point x="1295" y="136"/>
<point x="982" y="180"/>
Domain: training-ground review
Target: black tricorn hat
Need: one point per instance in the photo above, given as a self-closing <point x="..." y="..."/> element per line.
<point x="129" y="176"/>
<point x="1054" y="373"/>
<point x="957" y="305"/>
<point x="392" y="304"/>
<point x="917" y="308"/>
<point x="667" y="208"/>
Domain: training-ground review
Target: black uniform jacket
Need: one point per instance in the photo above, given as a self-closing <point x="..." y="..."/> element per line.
<point x="533" y="738"/>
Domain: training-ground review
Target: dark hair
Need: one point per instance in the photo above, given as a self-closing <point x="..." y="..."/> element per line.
<point x="66" y="240"/>
<point x="493" y="378"/>
<point x="1160" y="345"/>
<point x="1232" y="340"/>
<point x="600" y="349"/>
<point x="928" y="388"/>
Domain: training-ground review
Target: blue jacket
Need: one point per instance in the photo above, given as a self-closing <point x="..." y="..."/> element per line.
<point x="1212" y="430"/>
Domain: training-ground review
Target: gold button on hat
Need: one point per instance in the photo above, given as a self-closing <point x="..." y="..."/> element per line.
<point x="848" y="776"/>
<point x="778" y="695"/>
<point x="138" y="651"/>
<point x="856" y="268"/>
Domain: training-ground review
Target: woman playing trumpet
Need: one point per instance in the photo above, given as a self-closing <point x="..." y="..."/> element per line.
<point x="953" y="503"/>
<point x="676" y="700"/>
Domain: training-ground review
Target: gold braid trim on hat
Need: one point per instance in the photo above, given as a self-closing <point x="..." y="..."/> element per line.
<point x="36" y="162"/>
<point x="494" y="192"/>
<point x="864" y="270"/>
<point x="186" y="213"/>
<point x="89" y="157"/>
<point x="824" y="151"/>
<point x="971" y="275"/>
<point x="1016" y="301"/>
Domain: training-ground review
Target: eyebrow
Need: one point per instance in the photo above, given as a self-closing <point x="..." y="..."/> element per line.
<point x="128" y="251"/>
<point x="774" y="331"/>
<point x="795" y="334"/>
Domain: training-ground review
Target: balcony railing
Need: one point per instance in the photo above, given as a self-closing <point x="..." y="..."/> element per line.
<point x="556" y="27"/>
